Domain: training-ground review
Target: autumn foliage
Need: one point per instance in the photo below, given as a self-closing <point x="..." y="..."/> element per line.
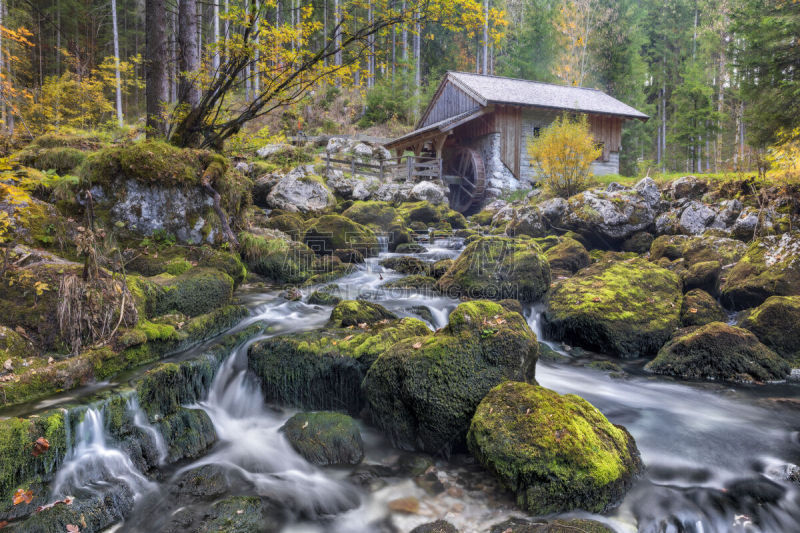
<point x="563" y="154"/>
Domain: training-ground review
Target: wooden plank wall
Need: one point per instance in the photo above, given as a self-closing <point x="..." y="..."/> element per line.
<point x="452" y="101"/>
<point x="606" y="130"/>
<point x="508" y="123"/>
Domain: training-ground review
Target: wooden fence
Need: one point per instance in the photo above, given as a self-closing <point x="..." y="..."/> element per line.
<point x="394" y="169"/>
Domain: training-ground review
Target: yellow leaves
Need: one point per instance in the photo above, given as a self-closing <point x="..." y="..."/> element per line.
<point x="784" y="156"/>
<point x="22" y="495"/>
<point x="40" y="287"/>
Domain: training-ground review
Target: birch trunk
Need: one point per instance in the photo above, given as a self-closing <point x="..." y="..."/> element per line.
<point x="155" y="66"/>
<point x="116" y="62"/>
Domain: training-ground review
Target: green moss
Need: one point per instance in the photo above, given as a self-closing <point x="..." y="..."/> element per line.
<point x="700" y="308"/>
<point x="497" y="268"/>
<point x="228" y="262"/>
<point x="324" y="369"/>
<point x="324" y="296"/>
<point x="325" y="438"/>
<point x="483" y="218"/>
<point x="275" y="258"/>
<point x="335" y="232"/>
<point x="771" y="267"/>
<point x="406" y="265"/>
<point x="189" y="433"/>
<point x="355" y="312"/>
<point x="626" y="308"/>
<point x="289" y="223"/>
<point x="703" y="275"/>
<point x="718" y="351"/>
<point x="776" y="323"/>
<point x="155" y="162"/>
<point x="557" y="453"/>
<point x="438" y="269"/>
<point x="178" y="267"/>
<point x="568" y="254"/>
<point x="696" y="249"/>
<point x="195" y="292"/>
<point x="378" y="214"/>
<point x="423" y="390"/>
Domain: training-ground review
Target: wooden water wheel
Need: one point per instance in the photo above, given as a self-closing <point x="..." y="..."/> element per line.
<point x="465" y="175"/>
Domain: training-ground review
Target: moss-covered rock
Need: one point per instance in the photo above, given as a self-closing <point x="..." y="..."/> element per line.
<point x="325" y="438"/>
<point x="556" y="453"/>
<point x="189" y="433"/>
<point x="414" y="282"/>
<point x="349" y="255"/>
<point x="196" y="292"/>
<point x="703" y="275"/>
<point x="325" y="296"/>
<point x="697" y="248"/>
<point x="771" y="267"/>
<point x="409" y="248"/>
<point x="324" y="369"/>
<point x="639" y="243"/>
<point x="423" y="390"/>
<point x="357" y="312"/>
<point x="497" y="268"/>
<point x="718" y="351"/>
<point x="627" y="308"/>
<point x="335" y="232"/>
<point x="439" y="526"/>
<point x="700" y="308"/>
<point x="276" y="257"/>
<point x="438" y="269"/>
<point x="560" y="525"/>
<point x="776" y="323"/>
<point x="406" y="265"/>
<point x="377" y="214"/>
<point x="60" y="152"/>
<point x="289" y="223"/>
<point x="430" y="214"/>
<point x="568" y="255"/>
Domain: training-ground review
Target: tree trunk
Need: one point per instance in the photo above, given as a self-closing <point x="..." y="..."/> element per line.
<point x="215" y="60"/>
<point x="417" y="64"/>
<point x="337" y="21"/>
<point x="155" y="66"/>
<point x="188" y="52"/>
<point x="485" y="37"/>
<point x="116" y="62"/>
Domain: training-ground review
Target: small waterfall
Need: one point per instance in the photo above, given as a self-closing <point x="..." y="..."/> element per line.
<point x="534" y="318"/>
<point x="383" y="242"/>
<point x="93" y="464"/>
<point x="255" y="448"/>
<point x="141" y="422"/>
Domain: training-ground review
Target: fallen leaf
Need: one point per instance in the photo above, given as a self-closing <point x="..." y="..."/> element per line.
<point x="72" y="528"/>
<point x="40" y="446"/>
<point x="347" y="338"/>
<point x="305" y="425"/>
<point x="363" y="325"/>
<point x="417" y="345"/>
<point x="3" y="524"/>
<point x="23" y="495"/>
<point x="692" y="309"/>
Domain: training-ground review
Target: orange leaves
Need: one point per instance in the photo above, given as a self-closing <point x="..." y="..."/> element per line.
<point x="40" y="446"/>
<point x="22" y="495"/>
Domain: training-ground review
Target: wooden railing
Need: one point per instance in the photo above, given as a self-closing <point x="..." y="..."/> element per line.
<point x="393" y="169"/>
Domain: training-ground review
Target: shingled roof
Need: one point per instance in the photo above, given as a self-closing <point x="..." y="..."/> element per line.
<point x="508" y="91"/>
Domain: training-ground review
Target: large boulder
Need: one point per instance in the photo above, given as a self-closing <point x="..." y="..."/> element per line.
<point x="335" y="232"/>
<point x="627" y="308"/>
<point x="497" y="268"/>
<point x="609" y="217"/>
<point x="355" y="312"/>
<point x="568" y="255"/>
<point x="423" y="391"/>
<point x="687" y="187"/>
<point x="429" y="192"/>
<point x="771" y="267"/>
<point x="276" y="256"/>
<point x="695" y="218"/>
<point x="374" y="214"/>
<point x="703" y="275"/>
<point x="324" y="369"/>
<point x="776" y="323"/>
<point x="300" y="191"/>
<point x="325" y="438"/>
<point x="526" y="220"/>
<point x="700" y="308"/>
<point x="697" y="249"/>
<point x="556" y="452"/>
<point x="152" y="186"/>
<point x="718" y="351"/>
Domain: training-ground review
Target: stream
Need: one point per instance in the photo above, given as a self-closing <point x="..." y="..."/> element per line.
<point x="717" y="456"/>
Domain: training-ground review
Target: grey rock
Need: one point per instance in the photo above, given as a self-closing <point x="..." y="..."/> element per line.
<point x="687" y="187"/>
<point x="648" y="190"/>
<point x="696" y="218"/>
<point x="429" y="192"/>
<point x="297" y="191"/>
<point x="272" y="149"/>
<point x="553" y="209"/>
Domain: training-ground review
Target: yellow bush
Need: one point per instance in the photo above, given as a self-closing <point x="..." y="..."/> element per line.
<point x="784" y="157"/>
<point x="562" y="155"/>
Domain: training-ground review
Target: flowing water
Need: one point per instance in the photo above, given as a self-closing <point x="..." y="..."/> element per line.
<point x="717" y="457"/>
